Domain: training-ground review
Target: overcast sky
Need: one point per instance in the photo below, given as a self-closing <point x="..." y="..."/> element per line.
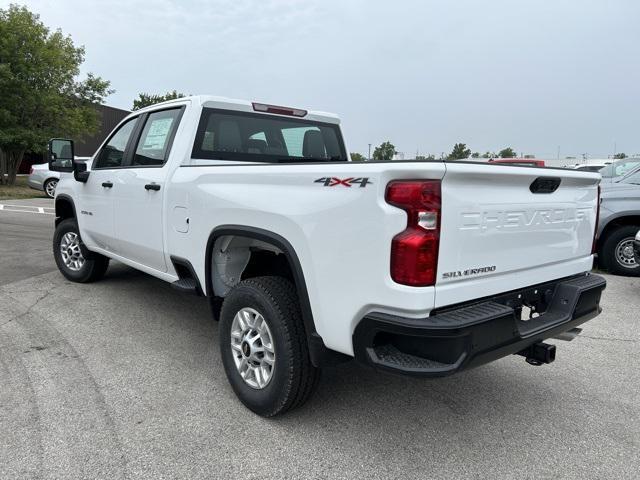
<point x="533" y="75"/>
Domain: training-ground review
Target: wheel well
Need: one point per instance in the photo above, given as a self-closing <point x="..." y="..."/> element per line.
<point x="633" y="220"/>
<point x="253" y="252"/>
<point x="64" y="209"/>
<point x="236" y="257"/>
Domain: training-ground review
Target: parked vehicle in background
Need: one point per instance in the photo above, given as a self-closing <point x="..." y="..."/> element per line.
<point x="636" y="247"/>
<point x="259" y="208"/>
<point x="591" y="167"/>
<point x="619" y="222"/>
<point x="46" y="180"/>
<point x="43" y="179"/>
<point x="523" y="162"/>
<point x="618" y="169"/>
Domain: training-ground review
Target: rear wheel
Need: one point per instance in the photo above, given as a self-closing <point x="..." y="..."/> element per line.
<point x="50" y="187"/>
<point x="264" y="346"/>
<point x="73" y="259"/>
<point x="616" y="254"/>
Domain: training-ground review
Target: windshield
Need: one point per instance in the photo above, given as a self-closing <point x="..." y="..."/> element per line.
<point x="256" y="137"/>
<point x="620" y="167"/>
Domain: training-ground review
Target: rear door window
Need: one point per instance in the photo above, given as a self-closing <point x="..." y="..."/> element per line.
<point x="155" y="140"/>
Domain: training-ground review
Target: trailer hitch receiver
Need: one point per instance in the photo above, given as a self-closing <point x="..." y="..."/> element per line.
<point x="539" y="353"/>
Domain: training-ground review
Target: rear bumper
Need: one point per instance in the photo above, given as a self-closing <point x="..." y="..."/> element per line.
<point x="469" y="335"/>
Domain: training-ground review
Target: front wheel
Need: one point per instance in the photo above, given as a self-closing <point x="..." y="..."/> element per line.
<point x="616" y="254"/>
<point x="50" y="187"/>
<point x="74" y="261"/>
<point x="264" y="346"/>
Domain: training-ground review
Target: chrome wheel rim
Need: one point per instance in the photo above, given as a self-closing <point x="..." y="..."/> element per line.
<point x="50" y="188"/>
<point x="624" y="253"/>
<point x="252" y="348"/>
<point x="71" y="252"/>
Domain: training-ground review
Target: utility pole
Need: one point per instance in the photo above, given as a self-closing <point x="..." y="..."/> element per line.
<point x="369" y="157"/>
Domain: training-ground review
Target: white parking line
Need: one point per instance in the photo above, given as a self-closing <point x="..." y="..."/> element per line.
<point x="26" y="209"/>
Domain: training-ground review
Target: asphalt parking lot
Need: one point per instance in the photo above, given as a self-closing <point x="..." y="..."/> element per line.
<point x="122" y="379"/>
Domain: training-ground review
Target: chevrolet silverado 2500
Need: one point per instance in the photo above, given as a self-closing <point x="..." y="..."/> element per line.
<point x="307" y="258"/>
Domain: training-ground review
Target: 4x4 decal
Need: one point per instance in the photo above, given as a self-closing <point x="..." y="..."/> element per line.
<point x="345" y="182"/>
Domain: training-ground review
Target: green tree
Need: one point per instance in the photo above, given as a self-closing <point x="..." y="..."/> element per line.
<point x="425" y="157"/>
<point x="385" y="151"/>
<point x="489" y="155"/>
<point x="146" y="99"/>
<point x="40" y="93"/>
<point x="357" y="157"/>
<point x="620" y="155"/>
<point x="459" y="152"/>
<point x="475" y="155"/>
<point x="507" y="153"/>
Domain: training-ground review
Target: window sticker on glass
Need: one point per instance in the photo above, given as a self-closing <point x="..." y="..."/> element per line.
<point x="158" y="133"/>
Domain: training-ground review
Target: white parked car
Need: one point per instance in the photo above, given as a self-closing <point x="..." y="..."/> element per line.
<point x="617" y="170"/>
<point x="590" y="167"/>
<point x="43" y="179"/>
<point x="419" y="268"/>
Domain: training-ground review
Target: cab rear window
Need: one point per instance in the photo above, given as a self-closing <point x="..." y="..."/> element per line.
<point x="256" y="137"/>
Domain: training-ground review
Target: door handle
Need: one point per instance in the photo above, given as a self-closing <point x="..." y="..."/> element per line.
<point x="152" y="186"/>
<point x="107" y="184"/>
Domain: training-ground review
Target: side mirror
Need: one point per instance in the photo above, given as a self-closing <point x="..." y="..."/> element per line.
<point x="60" y="155"/>
<point x="80" y="171"/>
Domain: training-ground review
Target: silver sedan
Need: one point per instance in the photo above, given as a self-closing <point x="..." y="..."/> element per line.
<point x="43" y="179"/>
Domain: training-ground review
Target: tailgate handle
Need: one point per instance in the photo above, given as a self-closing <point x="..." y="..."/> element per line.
<point x="545" y="185"/>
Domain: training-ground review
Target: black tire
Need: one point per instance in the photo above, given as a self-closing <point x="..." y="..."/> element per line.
<point x="47" y="184"/>
<point x="294" y="378"/>
<point x="95" y="265"/>
<point x="608" y="258"/>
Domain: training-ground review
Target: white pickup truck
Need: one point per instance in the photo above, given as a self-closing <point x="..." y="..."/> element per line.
<point x="307" y="258"/>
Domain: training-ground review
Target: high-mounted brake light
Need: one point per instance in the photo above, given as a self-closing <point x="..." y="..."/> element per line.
<point x="414" y="251"/>
<point x="594" y="247"/>
<point x="292" y="112"/>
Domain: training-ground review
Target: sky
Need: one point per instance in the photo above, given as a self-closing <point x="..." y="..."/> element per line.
<point x="545" y="77"/>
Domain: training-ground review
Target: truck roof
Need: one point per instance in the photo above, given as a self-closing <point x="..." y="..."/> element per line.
<point x="213" y="101"/>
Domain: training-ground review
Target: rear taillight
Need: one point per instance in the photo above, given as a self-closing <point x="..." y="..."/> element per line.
<point x="594" y="247"/>
<point x="414" y="252"/>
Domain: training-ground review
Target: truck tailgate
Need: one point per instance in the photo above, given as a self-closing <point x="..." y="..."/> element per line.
<point x="506" y="227"/>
